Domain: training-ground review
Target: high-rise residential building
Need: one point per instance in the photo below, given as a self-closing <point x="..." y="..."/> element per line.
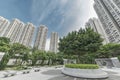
<point x="4" y="23"/>
<point x="40" y="40"/>
<point x="27" y="34"/>
<point x="97" y="27"/>
<point x="117" y="2"/>
<point x="108" y="12"/>
<point x="54" y="42"/>
<point x="12" y="29"/>
<point x="16" y="38"/>
<point x="18" y="32"/>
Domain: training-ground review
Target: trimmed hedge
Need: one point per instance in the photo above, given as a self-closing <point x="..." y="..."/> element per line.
<point x="82" y="66"/>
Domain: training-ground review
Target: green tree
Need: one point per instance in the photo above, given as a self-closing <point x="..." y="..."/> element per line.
<point x="19" y="51"/>
<point x="4" y="61"/>
<point x="17" y="48"/>
<point x="59" y="58"/>
<point x="109" y="50"/>
<point x="4" y="47"/>
<point x="80" y="43"/>
<point x="51" y="58"/>
<point x="4" y="44"/>
<point x="38" y="55"/>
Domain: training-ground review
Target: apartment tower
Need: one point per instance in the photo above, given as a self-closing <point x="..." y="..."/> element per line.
<point x="12" y="29"/>
<point x="4" y="23"/>
<point x="108" y="12"/>
<point x="95" y="24"/>
<point x="27" y="34"/>
<point x="41" y="37"/>
<point x="17" y="31"/>
<point x="54" y="42"/>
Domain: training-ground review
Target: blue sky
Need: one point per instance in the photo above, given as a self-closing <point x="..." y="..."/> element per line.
<point x="60" y="16"/>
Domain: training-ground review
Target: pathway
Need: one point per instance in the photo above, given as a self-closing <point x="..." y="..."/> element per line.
<point x="51" y="73"/>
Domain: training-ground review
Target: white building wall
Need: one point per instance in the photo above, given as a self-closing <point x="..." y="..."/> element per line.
<point x="54" y="42"/>
<point x="97" y="27"/>
<point x="27" y="35"/>
<point x="4" y="23"/>
<point x="41" y="37"/>
<point x="109" y="18"/>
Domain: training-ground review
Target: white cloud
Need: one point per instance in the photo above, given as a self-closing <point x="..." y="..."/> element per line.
<point x="85" y="11"/>
<point x="74" y="13"/>
<point x="63" y="2"/>
<point x="41" y="9"/>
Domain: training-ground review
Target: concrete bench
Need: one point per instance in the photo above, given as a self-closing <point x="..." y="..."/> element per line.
<point x="36" y="69"/>
<point x="26" y="71"/>
<point x="9" y="73"/>
<point x="6" y="74"/>
<point x="58" y="66"/>
<point x="12" y="73"/>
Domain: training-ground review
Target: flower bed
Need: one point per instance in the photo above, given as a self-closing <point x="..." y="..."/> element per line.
<point x="82" y="66"/>
<point x="84" y="71"/>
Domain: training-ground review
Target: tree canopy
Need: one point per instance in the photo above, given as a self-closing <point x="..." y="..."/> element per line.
<point x="80" y="42"/>
<point x="4" y="47"/>
<point x="19" y="49"/>
<point x="4" y="44"/>
<point x="109" y="50"/>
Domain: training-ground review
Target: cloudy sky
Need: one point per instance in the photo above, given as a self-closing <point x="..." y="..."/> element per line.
<point x="60" y="16"/>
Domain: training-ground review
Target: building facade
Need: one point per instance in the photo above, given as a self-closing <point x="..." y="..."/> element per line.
<point x="54" y="42"/>
<point x="27" y="34"/>
<point x="108" y="12"/>
<point x="4" y="23"/>
<point x="95" y="24"/>
<point x="17" y="31"/>
<point x="12" y="29"/>
<point x="117" y="2"/>
<point x="41" y="37"/>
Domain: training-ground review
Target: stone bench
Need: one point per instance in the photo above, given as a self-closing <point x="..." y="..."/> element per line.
<point x="36" y="69"/>
<point x="6" y="74"/>
<point x="58" y="66"/>
<point x="12" y="73"/>
<point x="26" y="71"/>
<point x="9" y="73"/>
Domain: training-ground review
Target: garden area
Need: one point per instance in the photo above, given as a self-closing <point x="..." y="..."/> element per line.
<point x="23" y="57"/>
<point x="86" y="45"/>
<point x="83" y="46"/>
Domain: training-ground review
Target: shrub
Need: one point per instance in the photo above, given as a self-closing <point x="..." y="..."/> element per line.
<point x="4" y="61"/>
<point x="82" y="66"/>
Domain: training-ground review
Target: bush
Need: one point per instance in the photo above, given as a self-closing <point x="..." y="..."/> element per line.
<point x="82" y="66"/>
<point x="4" y="61"/>
<point x="118" y="58"/>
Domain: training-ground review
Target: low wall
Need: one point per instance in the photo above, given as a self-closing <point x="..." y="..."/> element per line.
<point x="85" y="73"/>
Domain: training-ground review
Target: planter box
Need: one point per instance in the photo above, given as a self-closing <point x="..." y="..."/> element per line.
<point x="85" y="73"/>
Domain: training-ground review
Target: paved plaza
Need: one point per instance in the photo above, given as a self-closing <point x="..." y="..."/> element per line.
<point x="52" y="73"/>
